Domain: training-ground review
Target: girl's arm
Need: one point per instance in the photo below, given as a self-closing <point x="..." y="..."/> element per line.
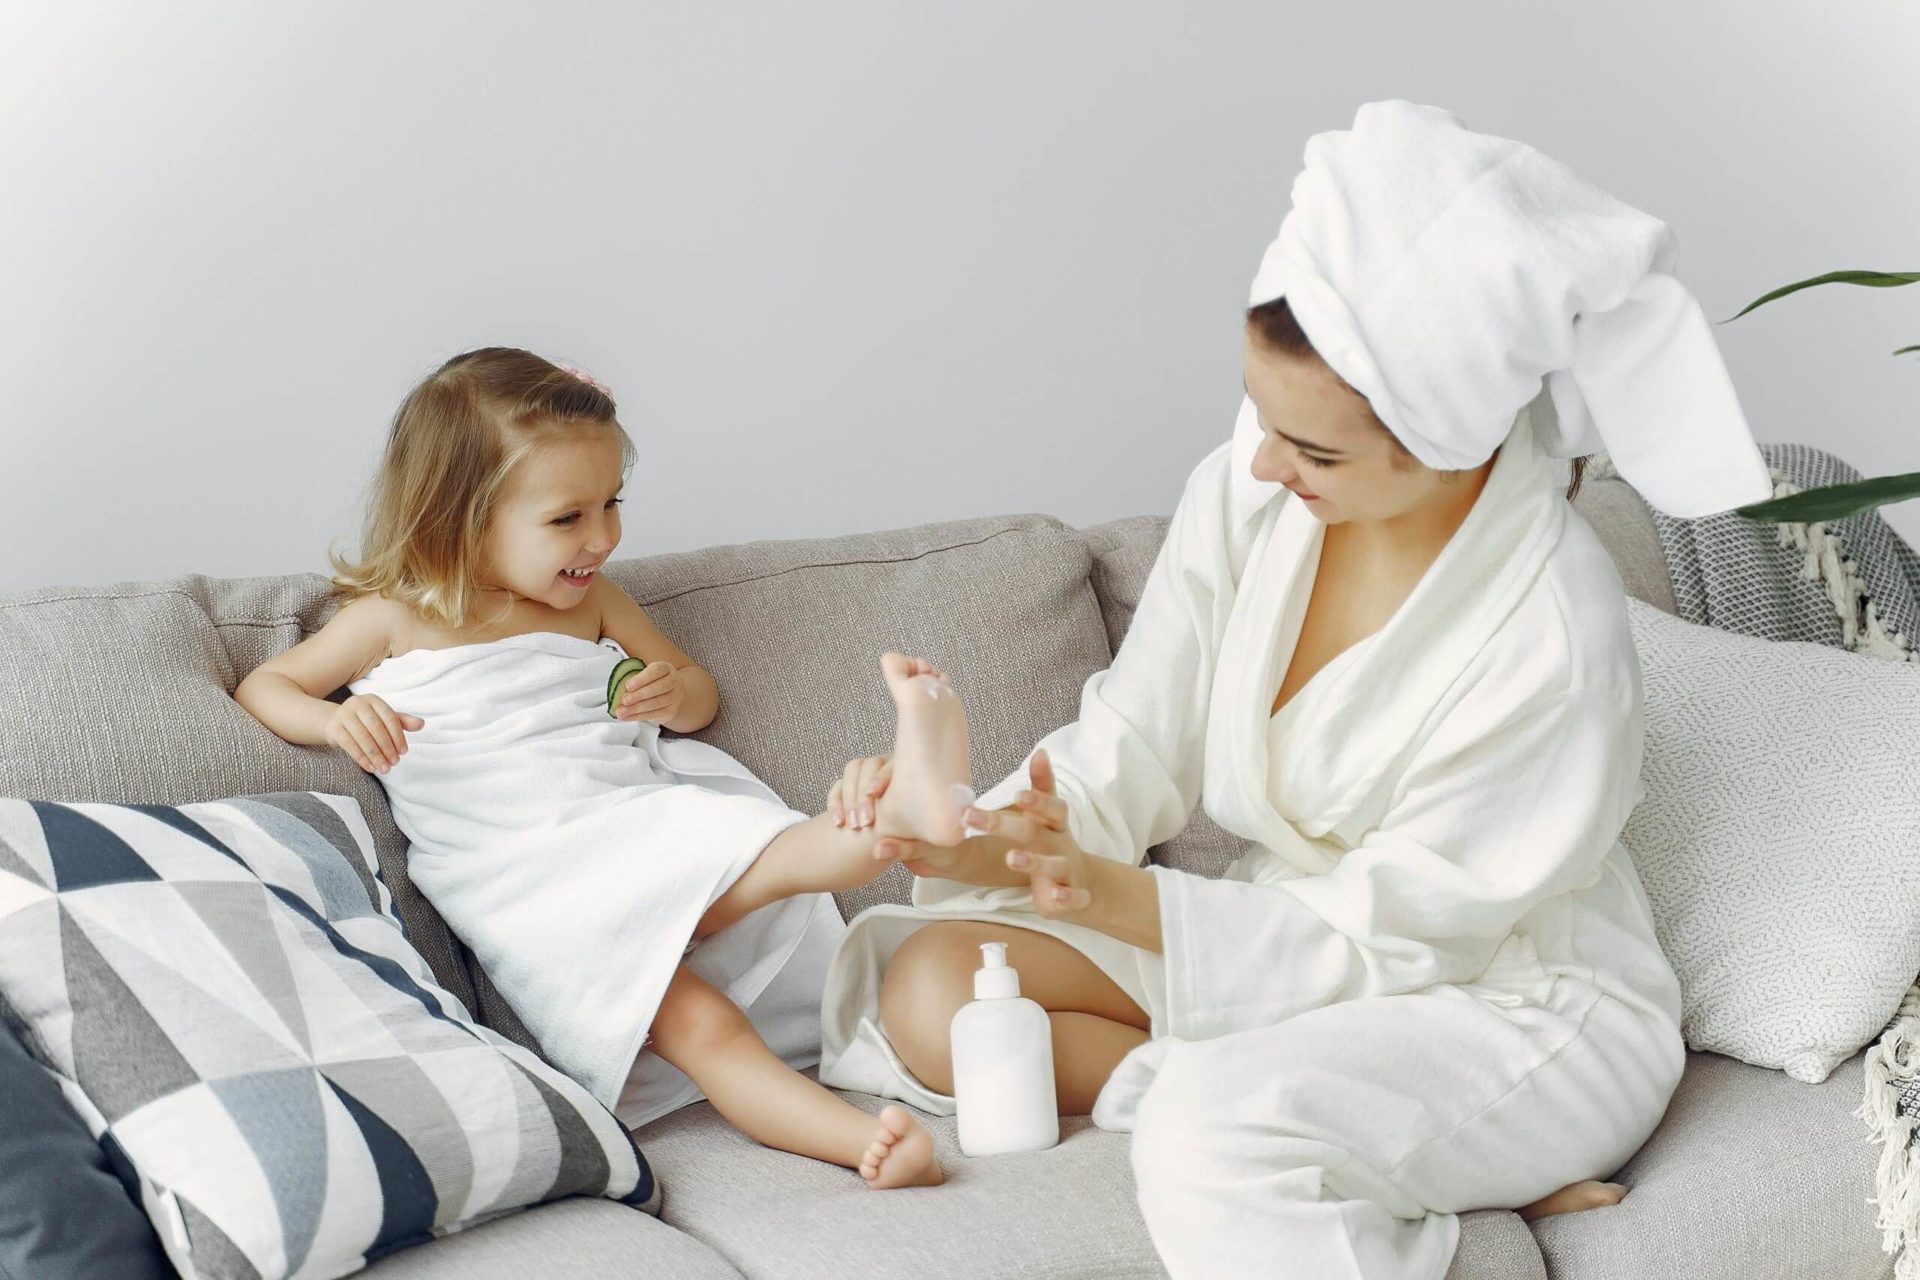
<point x="285" y="692"/>
<point x="624" y="620"/>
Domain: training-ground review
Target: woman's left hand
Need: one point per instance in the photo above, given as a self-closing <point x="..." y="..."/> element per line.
<point x="1059" y="870"/>
<point x="654" y="694"/>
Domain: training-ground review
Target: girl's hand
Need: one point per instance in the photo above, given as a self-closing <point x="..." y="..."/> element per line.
<point x="370" y="731"/>
<point x="654" y="694"/>
<point x="852" y="796"/>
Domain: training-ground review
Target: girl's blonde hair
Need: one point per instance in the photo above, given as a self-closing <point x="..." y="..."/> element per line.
<point x="456" y="439"/>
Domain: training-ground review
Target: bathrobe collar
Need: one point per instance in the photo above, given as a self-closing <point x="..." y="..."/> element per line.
<point x="1372" y="710"/>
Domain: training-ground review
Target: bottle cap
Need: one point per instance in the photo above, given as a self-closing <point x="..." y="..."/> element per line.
<point x="994" y="980"/>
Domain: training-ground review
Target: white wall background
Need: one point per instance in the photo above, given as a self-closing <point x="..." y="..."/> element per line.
<point x="850" y="264"/>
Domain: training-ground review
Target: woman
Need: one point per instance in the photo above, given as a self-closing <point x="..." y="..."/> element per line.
<point x="1379" y="645"/>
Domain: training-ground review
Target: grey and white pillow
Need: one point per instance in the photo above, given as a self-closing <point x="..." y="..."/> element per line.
<point x="1779" y="838"/>
<point x="224" y="993"/>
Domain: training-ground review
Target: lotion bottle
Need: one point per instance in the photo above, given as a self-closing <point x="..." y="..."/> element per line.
<point x="1003" y="1088"/>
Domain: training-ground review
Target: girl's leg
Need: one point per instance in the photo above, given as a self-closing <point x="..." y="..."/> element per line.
<point x="1095" y="1023"/>
<point x="703" y="1033"/>
<point x="809" y="857"/>
<point x="929" y="763"/>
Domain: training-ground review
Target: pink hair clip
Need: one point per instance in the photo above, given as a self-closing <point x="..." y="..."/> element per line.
<point x="584" y="376"/>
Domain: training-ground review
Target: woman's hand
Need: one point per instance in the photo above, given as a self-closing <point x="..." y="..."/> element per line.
<point x="370" y="731"/>
<point x="851" y="796"/>
<point x="1058" y="870"/>
<point x="654" y="694"/>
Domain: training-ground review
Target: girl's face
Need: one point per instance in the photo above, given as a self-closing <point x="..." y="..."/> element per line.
<point x="1320" y="440"/>
<point x="558" y="510"/>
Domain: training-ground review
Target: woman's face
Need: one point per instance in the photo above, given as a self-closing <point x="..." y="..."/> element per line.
<point x="1319" y="439"/>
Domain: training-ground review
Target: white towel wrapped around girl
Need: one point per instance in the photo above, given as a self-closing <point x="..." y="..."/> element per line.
<point x="574" y="852"/>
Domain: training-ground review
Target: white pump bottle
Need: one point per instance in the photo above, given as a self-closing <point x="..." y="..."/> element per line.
<point x="1003" y="1088"/>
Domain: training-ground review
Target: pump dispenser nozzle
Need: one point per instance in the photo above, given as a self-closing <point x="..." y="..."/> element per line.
<point x="994" y="980"/>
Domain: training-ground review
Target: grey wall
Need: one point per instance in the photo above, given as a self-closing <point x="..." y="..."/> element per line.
<point x="847" y="265"/>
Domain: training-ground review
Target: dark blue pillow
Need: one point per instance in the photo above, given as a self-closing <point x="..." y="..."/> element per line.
<point x="64" y="1215"/>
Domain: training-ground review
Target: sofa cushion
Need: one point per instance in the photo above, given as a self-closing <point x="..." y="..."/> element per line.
<point x="64" y="1214"/>
<point x="1066" y="1212"/>
<point x="1777" y="839"/>
<point x="171" y="654"/>
<point x="1621" y="517"/>
<point x="1752" y="1174"/>
<point x="225" y="996"/>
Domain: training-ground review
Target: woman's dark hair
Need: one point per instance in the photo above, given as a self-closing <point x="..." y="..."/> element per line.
<point x="1276" y="328"/>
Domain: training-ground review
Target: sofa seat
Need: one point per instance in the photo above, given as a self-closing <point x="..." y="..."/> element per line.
<point x="1066" y="1212"/>
<point x="577" y="1236"/>
<point x="1751" y="1174"/>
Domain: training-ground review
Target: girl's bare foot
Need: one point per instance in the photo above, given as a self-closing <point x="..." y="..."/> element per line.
<point x="901" y="1154"/>
<point x="931" y="768"/>
<point x="1574" y="1197"/>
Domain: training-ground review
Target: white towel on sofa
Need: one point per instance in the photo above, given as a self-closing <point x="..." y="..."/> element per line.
<point x="574" y="853"/>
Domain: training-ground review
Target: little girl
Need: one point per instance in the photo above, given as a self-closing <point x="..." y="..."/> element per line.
<point x="610" y="882"/>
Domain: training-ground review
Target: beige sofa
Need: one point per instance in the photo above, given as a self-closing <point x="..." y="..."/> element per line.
<point x="123" y="693"/>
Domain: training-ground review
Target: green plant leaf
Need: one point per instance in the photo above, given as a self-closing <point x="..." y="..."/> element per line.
<point x="1900" y="351"/>
<point x="1831" y="502"/>
<point x="1871" y="279"/>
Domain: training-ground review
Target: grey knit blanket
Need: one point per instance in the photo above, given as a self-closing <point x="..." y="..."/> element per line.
<point x="1855" y="584"/>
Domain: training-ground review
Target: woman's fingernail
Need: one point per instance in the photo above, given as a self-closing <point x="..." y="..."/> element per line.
<point x="1016" y="859"/>
<point x="1060" y="895"/>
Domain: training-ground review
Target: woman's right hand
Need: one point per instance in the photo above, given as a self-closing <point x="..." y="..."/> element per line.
<point x="852" y="796"/>
<point x="370" y="731"/>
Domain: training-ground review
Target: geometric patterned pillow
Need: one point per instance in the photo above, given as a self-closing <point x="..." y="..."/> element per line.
<point x="224" y="993"/>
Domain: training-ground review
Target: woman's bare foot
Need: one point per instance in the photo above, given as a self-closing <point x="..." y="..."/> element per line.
<point x="901" y="1154"/>
<point x="931" y="768"/>
<point x="1574" y="1197"/>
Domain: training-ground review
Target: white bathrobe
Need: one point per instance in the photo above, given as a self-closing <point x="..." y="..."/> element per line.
<point x="574" y="853"/>
<point x="1431" y="983"/>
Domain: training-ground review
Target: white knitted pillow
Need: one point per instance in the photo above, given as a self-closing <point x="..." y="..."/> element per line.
<point x="1779" y="838"/>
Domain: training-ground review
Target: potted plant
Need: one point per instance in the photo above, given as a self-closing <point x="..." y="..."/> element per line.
<point x="1831" y="502"/>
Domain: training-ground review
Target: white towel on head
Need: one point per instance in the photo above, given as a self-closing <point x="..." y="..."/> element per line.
<point x="1445" y="274"/>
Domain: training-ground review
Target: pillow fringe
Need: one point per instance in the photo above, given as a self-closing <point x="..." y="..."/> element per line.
<point x="1826" y="561"/>
<point x="1892" y="1062"/>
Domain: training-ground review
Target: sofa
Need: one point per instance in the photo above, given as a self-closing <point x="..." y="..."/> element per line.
<point x="123" y="693"/>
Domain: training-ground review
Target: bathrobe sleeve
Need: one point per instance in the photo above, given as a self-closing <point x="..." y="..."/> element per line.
<point x="1496" y="814"/>
<point x="1129" y="768"/>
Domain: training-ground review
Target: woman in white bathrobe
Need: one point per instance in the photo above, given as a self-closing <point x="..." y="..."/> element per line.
<point x="1432" y="982"/>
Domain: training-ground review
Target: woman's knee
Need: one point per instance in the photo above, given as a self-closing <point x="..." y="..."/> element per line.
<point x="928" y="978"/>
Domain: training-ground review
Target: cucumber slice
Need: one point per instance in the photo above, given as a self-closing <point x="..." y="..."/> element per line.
<point x="621" y="670"/>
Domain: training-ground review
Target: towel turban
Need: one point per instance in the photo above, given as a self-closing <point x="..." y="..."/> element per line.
<point x="1453" y="278"/>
